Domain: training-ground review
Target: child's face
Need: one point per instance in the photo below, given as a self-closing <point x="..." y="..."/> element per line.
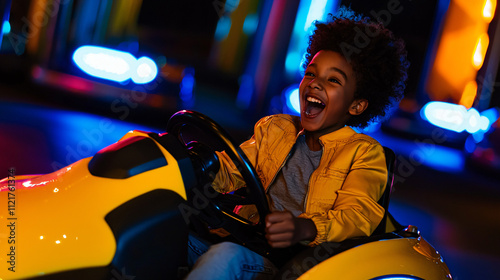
<point x="327" y="93"/>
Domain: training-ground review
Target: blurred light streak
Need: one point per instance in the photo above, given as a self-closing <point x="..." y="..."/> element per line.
<point x="308" y="12"/>
<point x="6" y="28"/>
<point x="250" y="24"/>
<point x="238" y="22"/>
<point x="316" y="11"/>
<point x="291" y="95"/>
<point x="478" y="136"/>
<point x="470" y="144"/>
<point x="396" y="277"/>
<point x="465" y="25"/>
<point x="114" y="65"/>
<point x="231" y="5"/>
<point x="223" y="28"/>
<point x="469" y="94"/>
<point x="68" y="82"/>
<point x="457" y="118"/>
<point x="36" y="21"/>
<point x="480" y="51"/>
<point x="433" y="155"/>
<point x="491" y="114"/>
<point x="245" y="91"/>
<point x="266" y="52"/>
<point x="122" y="17"/>
<point x="489" y="9"/>
<point x="187" y="85"/>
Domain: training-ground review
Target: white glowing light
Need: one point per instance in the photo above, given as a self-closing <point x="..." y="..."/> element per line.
<point x="146" y="71"/>
<point x="489" y="9"/>
<point x="28" y="184"/>
<point x="316" y="11"/>
<point x="456" y="117"/>
<point x="115" y="65"/>
<point x="106" y="63"/>
<point x="480" y="51"/>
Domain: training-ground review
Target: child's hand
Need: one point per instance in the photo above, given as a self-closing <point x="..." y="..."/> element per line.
<point x="284" y="230"/>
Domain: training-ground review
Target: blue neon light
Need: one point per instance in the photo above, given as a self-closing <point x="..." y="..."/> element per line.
<point x="6" y="27"/>
<point x="371" y="128"/>
<point x="401" y="277"/>
<point x="231" y="5"/>
<point x="491" y="114"/>
<point x="316" y="11"/>
<point x="291" y="95"/>
<point x="250" y="24"/>
<point x="223" y="28"/>
<point x="457" y="118"/>
<point x="470" y="144"/>
<point x="115" y="65"/>
<point x="308" y="12"/>
<point x="430" y="154"/>
<point x="187" y="85"/>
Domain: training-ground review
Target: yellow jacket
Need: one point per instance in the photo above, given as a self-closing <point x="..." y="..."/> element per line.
<point x="344" y="189"/>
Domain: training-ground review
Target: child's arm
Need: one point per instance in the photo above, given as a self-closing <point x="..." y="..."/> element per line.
<point x="229" y="178"/>
<point x="355" y="211"/>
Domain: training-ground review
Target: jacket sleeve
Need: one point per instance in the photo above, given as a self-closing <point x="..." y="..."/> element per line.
<point x="229" y="178"/>
<point x="355" y="211"/>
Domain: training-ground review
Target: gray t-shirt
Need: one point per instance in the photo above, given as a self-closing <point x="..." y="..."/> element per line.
<point x="288" y="191"/>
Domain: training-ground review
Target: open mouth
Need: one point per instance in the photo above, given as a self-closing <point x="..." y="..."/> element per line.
<point x="314" y="106"/>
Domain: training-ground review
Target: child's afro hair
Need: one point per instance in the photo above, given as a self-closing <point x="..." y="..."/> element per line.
<point x="377" y="58"/>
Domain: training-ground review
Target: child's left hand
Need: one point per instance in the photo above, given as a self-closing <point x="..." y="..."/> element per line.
<point x="284" y="230"/>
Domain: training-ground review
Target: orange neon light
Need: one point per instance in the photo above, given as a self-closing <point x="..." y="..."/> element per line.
<point x="469" y="94"/>
<point x="489" y="9"/>
<point x="461" y="50"/>
<point x="480" y="51"/>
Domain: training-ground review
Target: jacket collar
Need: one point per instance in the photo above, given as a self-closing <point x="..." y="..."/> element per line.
<point x="335" y="136"/>
<point x="338" y="135"/>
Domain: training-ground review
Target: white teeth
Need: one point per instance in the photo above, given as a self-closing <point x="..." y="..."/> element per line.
<point x="315" y="100"/>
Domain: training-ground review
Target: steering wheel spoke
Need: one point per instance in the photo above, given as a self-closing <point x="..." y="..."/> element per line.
<point x="246" y="232"/>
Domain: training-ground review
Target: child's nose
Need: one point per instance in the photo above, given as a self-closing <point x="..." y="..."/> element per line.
<point x="316" y="84"/>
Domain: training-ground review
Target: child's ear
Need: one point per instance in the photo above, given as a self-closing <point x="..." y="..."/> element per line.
<point x="358" y="106"/>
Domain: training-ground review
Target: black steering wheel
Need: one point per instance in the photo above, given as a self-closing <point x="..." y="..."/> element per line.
<point x="215" y="208"/>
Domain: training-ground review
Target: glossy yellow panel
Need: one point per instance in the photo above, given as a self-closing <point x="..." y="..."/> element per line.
<point x="59" y="217"/>
<point x="395" y="256"/>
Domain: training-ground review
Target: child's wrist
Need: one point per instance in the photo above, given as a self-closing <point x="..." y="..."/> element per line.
<point x="307" y="228"/>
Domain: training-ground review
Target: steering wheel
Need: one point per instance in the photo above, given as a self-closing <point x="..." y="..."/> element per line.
<point x="214" y="208"/>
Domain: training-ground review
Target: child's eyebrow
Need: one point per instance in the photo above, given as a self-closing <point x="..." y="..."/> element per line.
<point x="340" y="72"/>
<point x="336" y="69"/>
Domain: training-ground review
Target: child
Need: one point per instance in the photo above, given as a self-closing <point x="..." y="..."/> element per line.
<point x="323" y="180"/>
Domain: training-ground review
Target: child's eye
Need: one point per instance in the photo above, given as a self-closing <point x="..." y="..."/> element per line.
<point x="332" y="80"/>
<point x="310" y="74"/>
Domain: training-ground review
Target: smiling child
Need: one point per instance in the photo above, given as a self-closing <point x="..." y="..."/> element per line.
<point x="322" y="179"/>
